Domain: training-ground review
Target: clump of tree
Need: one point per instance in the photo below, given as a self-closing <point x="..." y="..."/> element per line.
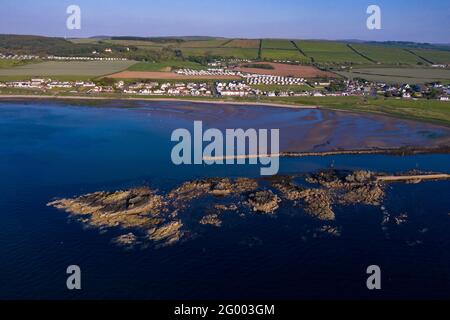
<point x="148" y="55"/>
<point x="203" y="60"/>
<point x="104" y="81"/>
<point x="433" y="93"/>
<point x="336" y="86"/>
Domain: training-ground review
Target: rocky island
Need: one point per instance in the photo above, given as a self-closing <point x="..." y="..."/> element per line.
<point x="150" y="217"/>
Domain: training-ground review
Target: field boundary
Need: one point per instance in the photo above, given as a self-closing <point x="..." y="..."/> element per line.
<point x="260" y="49"/>
<point x="418" y="56"/>
<point x="299" y="49"/>
<point x="225" y="43"/>
<point x="361" y="54"/>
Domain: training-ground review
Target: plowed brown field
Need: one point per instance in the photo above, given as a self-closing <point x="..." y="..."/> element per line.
<point x="287" y="70"/>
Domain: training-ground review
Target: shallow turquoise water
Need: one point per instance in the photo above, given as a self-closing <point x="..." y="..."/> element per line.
<point x="50" y="150"/>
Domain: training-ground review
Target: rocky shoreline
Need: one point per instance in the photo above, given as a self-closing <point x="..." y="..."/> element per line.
<point x="148" y="217"/>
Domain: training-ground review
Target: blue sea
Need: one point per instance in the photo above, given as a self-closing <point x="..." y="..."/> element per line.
<point x="54" y="150"/>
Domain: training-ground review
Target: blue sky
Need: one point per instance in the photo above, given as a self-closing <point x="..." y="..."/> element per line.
<point x="407" y="20"/>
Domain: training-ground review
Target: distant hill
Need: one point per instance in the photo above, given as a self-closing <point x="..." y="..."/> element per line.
<point x="323" y="53"/>
<point x="166" y="39"/>
<point x="411" y="45"/>
<point x="38" y="45"/>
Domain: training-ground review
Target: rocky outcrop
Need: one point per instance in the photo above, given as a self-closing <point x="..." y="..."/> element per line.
<point x="222" y="207"/>
<point x="192" y="190"/>
<point x="128" y="240"/>
<point x="148" y="216"/>
<point x="318" y="204"/>
<point x="350" y="187"/>
<point x="212" y="220"/>
<point x="330" y="230"/>
<point x="155" y="214"/>
<point x="166" y="234"/>
<point x="264" y="202"/>
<point x="401" y="219"/>
<point x="288" y="189"/>
<point x="127" y="209"/>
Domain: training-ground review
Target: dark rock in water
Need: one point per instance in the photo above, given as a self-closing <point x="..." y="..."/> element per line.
<point x="364" y="194"/>
<point x="160" y="218"/>
<point x="330" y="230"/>
<point x="288" y="189"/>
<point x="335" y="179"/>
<point x="318" y="204"/>
<point x="128" y="240"/>
<point x="350" y="187"/>
<point x="166" y="234"/>
<point x="221" y="207"/>
<point x="216" y="187"/>
<point x="144" y="209"/>
<point x="133" y="208"/>
<point x="401" y="219"/>
<point x="264" y="201"/>
<point x="211" y="219"/>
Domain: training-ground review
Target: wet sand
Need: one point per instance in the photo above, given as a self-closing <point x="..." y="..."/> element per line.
<point x="302" y="128"/>
<point x="312" y="130"/>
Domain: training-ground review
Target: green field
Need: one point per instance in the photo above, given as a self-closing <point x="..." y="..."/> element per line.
<point x="326" y="52"/>
<point x="136" y="43"/>
<point x="66" y="69"/>
<point x="330" y="52"/>
<point x="292" y="55"/>
<point x="434" y="56"/>
<point x="400" y="75"/>
<point x="165" y="66"/>
<point x="83" y="40"/>
<point x="203" y="44"/>
<point x="242" y="43"/>
<point x="240" y="53"/>
<point x="387" y="55"/>
<point x="278" y="44"/>
<point x="7" y="63"/>
<point x="393" y="62"/>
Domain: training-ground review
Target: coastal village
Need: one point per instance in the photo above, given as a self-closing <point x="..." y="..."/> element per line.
<point x="226" y="79"/>
<point x="248" y="87"/>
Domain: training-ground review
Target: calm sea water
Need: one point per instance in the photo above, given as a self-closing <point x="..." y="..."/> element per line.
<point x="50" y="150"/>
